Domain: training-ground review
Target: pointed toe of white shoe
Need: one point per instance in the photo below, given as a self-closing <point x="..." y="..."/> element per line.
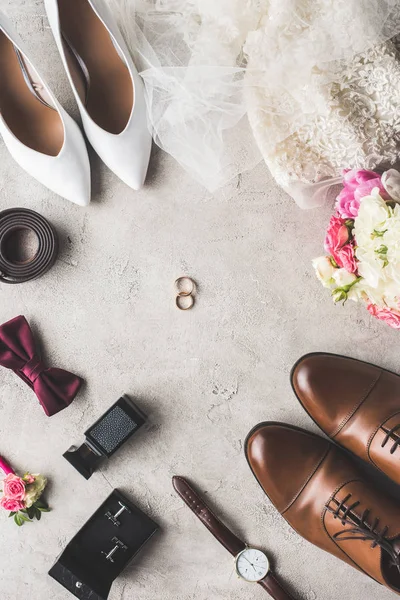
<point x="107" y="87"/>
<point x="82" y="197"/>
<point x="42" y="138"/>
<point x="67" y="174"/>
<point x="70" y="171"/>
<point x="78" y="188"/>
<point x="128" y="156"/>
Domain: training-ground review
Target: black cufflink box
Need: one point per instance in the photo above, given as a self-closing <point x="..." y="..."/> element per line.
<point x="104" y="546"/>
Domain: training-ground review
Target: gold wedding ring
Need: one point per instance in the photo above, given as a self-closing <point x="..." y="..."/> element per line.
<point x="185" y="286"/>
<point x="185" y="302"/>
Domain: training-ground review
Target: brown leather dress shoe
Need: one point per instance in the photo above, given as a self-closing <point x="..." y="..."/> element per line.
<point x="355" y="403"/>
<point x="321" y="494"/>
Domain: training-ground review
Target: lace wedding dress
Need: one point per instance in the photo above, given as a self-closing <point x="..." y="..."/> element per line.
<point x="316" y="83"/>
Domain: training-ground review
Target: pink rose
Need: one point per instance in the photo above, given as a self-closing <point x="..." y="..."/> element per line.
<point x="12" y="504"/>
<point x="357" y="185"/>
<point x="337" y="244"/>
<point x="390" y="317"/>
<point x="13" y="487"/>
<point x="345" y="258"/>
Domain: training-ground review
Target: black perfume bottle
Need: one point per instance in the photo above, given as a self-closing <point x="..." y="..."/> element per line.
<point x="106" y="436"/>
<point x="102" y="549"/>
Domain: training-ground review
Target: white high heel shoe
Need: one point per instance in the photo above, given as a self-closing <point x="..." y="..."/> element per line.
<point x="106" y="84"/>
<point x="42" y="138"/>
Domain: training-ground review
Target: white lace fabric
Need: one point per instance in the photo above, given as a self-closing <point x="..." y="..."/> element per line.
<point x="324" y="105"/>
<point x="316" y="83"/>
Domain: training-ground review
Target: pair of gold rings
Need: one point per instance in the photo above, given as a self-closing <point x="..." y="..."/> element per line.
<point x="186" y="288"/>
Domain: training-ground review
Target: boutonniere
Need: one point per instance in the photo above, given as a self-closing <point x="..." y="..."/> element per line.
<point x="22" y="496"/>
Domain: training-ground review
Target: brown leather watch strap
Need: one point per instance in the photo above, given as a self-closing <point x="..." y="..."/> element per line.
<point x="274" y="588"/>
<point x="228" y="539"/>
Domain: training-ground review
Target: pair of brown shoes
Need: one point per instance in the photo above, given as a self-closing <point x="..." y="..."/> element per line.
<point x="315" y="485"/>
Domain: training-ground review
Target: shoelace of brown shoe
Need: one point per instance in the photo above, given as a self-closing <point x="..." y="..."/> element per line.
<point x="361" y="529"/>
<point x="389" y="434"/>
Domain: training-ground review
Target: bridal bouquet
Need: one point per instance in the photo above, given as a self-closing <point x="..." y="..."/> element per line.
<point x="21" y="495"/>
<point x="362" y="243"/>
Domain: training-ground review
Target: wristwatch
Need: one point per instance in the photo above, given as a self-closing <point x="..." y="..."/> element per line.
<point x="252" y="564"/>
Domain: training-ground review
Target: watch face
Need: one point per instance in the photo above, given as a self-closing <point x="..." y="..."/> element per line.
<point x="252" y="565"/>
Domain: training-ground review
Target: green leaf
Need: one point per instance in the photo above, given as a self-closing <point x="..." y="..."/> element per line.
<point x="25" y="518"/>
<point x="333" y="262"/>
<point x="41" y="504"/>
<point x="18" y="520"/>
<point x="12" y="513"/>
<point x="45" y="509"/>
<point x="31" y="512"/>
<point x="38" y="514"/>
<point x="378" y="233"/>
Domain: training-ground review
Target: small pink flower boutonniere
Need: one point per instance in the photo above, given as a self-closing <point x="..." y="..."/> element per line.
<point x="22" y="496"/>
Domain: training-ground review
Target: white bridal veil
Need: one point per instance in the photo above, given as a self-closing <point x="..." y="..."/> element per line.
<point x="311" y="86"/>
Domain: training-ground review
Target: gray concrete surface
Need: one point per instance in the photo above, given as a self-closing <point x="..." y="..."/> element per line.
<point x="106" y="311"/>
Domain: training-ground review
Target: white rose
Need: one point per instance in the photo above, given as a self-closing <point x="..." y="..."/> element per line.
<point x="343" y="277"/>
<point x="372" y="214"/>
<point x="391" y="183"/>
<point x="374" y="295"/>
<point x="35" y="490"/>
<point x="324" y="270"/>
<point x="391" y="236"/>
<point x="392" y="302"/>
<point x="392" y="273"/>
<point x="370" y="270"/>
<point x="356" y="292"/>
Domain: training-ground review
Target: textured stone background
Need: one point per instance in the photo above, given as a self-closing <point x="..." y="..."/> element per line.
<point x="106" y="311"/>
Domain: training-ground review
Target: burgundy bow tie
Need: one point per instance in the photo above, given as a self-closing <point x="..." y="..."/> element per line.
<point x="55" y="388"/>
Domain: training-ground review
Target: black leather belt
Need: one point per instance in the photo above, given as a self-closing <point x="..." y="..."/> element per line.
<point x="17" y="219"/>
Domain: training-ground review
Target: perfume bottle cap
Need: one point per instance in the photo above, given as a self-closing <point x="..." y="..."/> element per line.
<point x="106" y="435"/>
<point x="84" y="459"/>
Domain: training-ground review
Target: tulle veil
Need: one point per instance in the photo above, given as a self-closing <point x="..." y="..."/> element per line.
<point x="206" y="63"/>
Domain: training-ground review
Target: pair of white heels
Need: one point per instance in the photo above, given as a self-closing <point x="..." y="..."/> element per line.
<point x="40" y="134"/>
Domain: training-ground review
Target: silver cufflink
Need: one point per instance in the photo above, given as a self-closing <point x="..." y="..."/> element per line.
<point x="114" y="518"/>
<point x="118" y="546"/>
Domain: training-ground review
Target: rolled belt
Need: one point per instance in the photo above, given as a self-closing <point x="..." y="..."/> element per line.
<point x="17" y="219"/>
